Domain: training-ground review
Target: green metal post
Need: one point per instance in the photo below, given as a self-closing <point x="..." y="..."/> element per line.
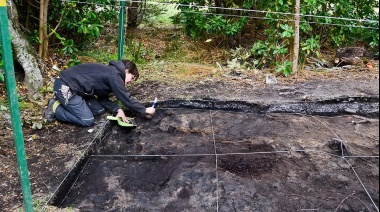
<point x="121" y="30"/>
<point x="10" y="81"/>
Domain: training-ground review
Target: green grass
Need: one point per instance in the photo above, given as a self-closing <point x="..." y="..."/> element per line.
<point x="170" y="12"/>
<point x="164" y="18"/>
<point x="98" y="55"/>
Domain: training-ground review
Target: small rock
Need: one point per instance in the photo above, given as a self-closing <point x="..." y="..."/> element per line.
<point x="349" y="55"/>
<point x="349" y="110"/>
<point x="345" y="207"/>
<point x="7" y="116"/>
<point x="37" y="125"/>
<point x="271" y="79"/>
<point x="343" y="178"/>
<point x="2" y="107"/>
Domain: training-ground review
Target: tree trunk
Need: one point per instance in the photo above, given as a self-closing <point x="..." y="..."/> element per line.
<point x="218" y="5"/>
<point x="41" y="24"/>
<point x="296" y="37"/>
<point x="43" y="32"/>
<point x="27" y="15"/>
<point x="25" y="55"/>
<point x="133" y="15"/>
<point x="45" y="42"/>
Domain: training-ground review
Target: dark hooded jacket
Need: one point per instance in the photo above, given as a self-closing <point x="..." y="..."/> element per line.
<point x="98" y="80"/>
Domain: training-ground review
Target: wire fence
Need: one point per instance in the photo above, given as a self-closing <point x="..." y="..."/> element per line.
<point x="272" y="17"/>
<point x="207" y="10"/>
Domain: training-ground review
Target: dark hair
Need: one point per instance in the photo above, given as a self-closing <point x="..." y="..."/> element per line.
<point x="132" y="68"/>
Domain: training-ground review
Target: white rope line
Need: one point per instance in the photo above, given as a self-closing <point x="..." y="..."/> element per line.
<point x="192" y="155"/>
<point x="362" y="156"/>
<point x="216" y="163"/>
<point x="357" y="176"/>
<point x="221" y="154"/>
<point x="72" y="168"/>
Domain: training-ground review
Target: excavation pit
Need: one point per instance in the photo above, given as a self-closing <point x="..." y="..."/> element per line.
<point x="213" y="160"/>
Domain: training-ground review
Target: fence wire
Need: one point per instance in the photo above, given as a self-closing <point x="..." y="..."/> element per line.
<point x="357" y="22"/>
<point x="199" y="7"/>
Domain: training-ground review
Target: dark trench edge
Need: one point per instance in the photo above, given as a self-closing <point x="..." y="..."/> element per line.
<point x="363" y="106"/>
<point x="64" y="188"/>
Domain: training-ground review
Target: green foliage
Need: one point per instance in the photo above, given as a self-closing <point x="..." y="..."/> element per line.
<point x="155" y="13"/>
<point x="338" y="32"/>
<point x="86" y="28"/>
<point x="311" y="46"/>
<point x="260" y="49"/>
<point x="82" y="23"/>
<point x="218" y="25"/>
<point x="316" y="29"/>
<point x="285" y="68"/>
<point x="174" y="48"/>
<point x="262" y="54"/>
<point x="69" y="47"/>
<point x="1" y="75"/>
<point x="33" y="37"/>
<point x="102" y="56"/>
<point x="199" y="22"/>
<point x="196" y="29"/>
<point x="135" y="49"/>
<point x="39" y="205"/>
<point x="288" y="31"/>
<point x="74" y="61"/>
<point x="374" y="43"/>
<point x="265" y="54"/>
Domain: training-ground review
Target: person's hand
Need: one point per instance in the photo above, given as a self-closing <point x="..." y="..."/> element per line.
<point x="149" y="112"/>
<point x="121" y="114"/>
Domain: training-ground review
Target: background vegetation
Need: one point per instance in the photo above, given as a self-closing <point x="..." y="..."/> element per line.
<point x="253" y="34"/>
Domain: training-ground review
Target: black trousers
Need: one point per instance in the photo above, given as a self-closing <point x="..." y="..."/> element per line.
<point x="74" y="108"/>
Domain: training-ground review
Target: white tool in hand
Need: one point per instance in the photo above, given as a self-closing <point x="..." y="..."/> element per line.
<point x="154" y="102"/>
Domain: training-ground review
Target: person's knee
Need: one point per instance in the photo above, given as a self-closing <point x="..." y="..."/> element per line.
<point x="96" y="108"/>
<point x="98" y="112"/>
<point x="88" y="122"/>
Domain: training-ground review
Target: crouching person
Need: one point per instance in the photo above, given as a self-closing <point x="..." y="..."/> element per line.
<point x="82" y="92"/>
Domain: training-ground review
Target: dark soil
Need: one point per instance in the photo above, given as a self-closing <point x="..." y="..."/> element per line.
<point x="273" y="162"/>
<point x="267" y="161"/>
